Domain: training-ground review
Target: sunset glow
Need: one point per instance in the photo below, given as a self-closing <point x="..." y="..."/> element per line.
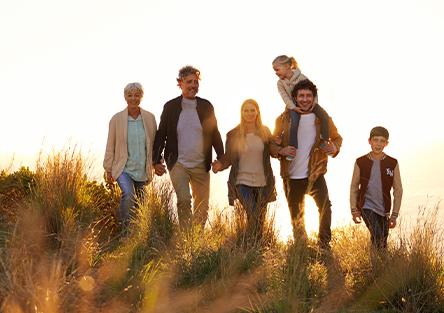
<point x="64" y="66"/>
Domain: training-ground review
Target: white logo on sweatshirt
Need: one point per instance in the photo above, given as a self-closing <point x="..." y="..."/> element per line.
<point x="390" y="172"/>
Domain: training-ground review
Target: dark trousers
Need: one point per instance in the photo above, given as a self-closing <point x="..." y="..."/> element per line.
<point x="379" y="228"/>
<point x="295" y="191"/>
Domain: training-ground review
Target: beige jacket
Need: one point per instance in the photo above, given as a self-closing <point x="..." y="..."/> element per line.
<point x="116" y="153"/>
<point x="285" y="87"/>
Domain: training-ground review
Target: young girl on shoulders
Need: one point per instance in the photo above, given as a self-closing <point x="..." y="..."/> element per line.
<point x="289" y="74"/>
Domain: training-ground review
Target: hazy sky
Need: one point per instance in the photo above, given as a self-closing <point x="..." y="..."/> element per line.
<point x="64" y="64"/>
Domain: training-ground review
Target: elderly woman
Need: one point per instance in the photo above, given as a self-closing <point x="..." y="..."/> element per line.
<point x="251" y="178"/>
<point x="128" y="156"/>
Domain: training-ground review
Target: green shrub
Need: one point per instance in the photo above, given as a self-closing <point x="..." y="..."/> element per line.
<point x="14" y="188"/>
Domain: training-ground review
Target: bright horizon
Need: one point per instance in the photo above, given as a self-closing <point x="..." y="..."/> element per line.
<point x="63" y="67"/>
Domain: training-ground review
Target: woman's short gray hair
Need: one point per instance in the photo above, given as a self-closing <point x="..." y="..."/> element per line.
<point x="187" y="70"/>
<point x="133" y="86"/>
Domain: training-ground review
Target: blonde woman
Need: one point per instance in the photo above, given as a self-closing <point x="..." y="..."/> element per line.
<point x="251" y="179"/>
<point x="128" y="156"/>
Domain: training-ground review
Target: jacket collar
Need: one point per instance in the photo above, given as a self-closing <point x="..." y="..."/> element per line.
<point x="382" y="158"/>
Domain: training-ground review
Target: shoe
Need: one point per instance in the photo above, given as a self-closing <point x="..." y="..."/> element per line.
<point x="290" y="158"/>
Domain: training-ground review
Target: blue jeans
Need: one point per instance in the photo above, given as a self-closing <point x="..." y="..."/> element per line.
<point x="128" y="203"/>
<point x="378" y="226"/>
<point x="254" y="201"/>
<point x="294" y="125"/>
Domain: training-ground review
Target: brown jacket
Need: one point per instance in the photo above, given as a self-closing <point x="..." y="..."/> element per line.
<point x="390" y="178"/>
<point x="318" y="161"/>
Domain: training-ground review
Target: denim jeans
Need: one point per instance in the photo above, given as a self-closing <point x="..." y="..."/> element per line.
<point x="294" y="125"/>
<point x="254" y="201"/>
<point x="128" y="203"/>
<point x="379" y="228"/>
<point x="295" y="191"/>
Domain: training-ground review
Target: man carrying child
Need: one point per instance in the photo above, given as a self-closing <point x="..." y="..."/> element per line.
<point x="305" y="174"/>
<point x="374" y="175"/>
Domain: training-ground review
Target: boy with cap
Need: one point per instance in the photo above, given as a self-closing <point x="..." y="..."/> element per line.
<point x="374" y="175"/>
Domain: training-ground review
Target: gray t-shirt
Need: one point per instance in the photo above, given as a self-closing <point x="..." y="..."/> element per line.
<point x="373" y="195"/>
<point x="190" y="135"/>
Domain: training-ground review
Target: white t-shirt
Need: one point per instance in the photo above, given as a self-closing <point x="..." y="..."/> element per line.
<point x="306" y="140"/>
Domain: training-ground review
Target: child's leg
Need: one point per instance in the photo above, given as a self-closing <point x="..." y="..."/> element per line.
<point x="375" y="225"/>
<point x="294" y="125"/>
<point x="325" y="124"/>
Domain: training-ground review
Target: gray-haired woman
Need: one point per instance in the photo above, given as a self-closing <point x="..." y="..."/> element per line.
<point x="128" y="155"/>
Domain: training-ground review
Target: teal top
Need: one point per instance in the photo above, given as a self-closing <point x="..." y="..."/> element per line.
<point x="136" y="145"/>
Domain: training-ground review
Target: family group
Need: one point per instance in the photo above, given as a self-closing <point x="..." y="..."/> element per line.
<point x="303" y="139"/>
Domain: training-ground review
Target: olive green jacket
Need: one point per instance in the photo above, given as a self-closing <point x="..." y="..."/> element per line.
<point x="231" y="157"/>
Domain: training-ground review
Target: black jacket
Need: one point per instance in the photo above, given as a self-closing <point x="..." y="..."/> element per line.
<point x="166" y="136"/>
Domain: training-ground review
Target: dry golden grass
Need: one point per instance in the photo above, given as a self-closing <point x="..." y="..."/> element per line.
<point x="62" y="255"/>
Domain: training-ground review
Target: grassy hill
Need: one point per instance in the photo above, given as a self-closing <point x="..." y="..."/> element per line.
<point x="60" y="252"/>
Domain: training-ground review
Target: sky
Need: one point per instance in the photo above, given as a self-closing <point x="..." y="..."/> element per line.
<point x="64" y="64"/>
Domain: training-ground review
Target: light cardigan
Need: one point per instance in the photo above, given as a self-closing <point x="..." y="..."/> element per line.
<point x="116" y="153"/>
<point x="285" y="87"/>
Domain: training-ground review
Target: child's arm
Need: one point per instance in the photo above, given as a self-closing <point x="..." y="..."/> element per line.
<point x="354" y="193"/>
<point x="289" y="104"/>
<point x="325" y="123"/>
<point x="397" y="196"/>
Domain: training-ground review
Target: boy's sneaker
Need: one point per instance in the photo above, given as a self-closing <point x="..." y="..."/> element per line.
<point x="290" y="158"/>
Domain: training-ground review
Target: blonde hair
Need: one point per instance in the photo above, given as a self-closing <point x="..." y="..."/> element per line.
<point x="283" y="59"/>
<point x="260" y="128"/>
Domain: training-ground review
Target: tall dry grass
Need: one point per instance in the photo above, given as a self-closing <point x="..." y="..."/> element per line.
<point x="62" y="254"/>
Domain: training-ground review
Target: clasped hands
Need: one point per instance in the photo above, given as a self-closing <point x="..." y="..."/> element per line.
<point x="159" y="169"/>
<point x="216" y="166"/>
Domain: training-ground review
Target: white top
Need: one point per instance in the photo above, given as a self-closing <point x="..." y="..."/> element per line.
<point x="189" y="135"/>
<point x="306" y="140"/>
<point x="251" y="163"/>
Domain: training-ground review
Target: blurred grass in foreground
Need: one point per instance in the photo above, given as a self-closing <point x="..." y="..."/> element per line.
<point x="59" y="252"/>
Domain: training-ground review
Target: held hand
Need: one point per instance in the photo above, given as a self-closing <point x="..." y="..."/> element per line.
<point x="288" y="151"/>
<point x="298" y="110"/>
<point x="392" y="222"/>
<point x="216" y="166"/>
<point x="278" y="140"/>
<point x="329" y="148"/>
<point x="159" y="169"/>
<point x="109" y="178"/>
<point x="357" y="218"/>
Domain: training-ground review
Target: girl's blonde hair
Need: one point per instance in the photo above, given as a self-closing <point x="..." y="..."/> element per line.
<point x="260" y="128"/>
<point x="283" y="59"/>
